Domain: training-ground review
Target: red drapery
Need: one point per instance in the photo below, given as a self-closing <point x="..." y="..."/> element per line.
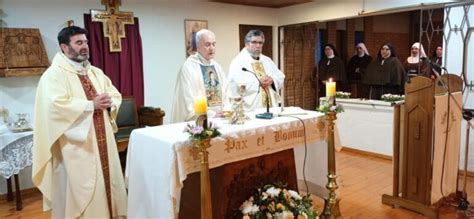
<point x="125" y="68"/>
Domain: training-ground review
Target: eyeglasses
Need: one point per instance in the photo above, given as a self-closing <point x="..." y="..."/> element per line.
<point x="257" y="42"/>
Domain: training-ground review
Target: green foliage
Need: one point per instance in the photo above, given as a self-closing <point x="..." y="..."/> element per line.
<point x="325" y="108"/>
<point x="199" y="133"/>
<point x="392" y="97"/>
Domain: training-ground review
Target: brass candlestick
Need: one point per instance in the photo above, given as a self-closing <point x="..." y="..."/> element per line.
<point x="331" y="203"/>
<point x="202" y="146"/>
<point x="206" y="205"/>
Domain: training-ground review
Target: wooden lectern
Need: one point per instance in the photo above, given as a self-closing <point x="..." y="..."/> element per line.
<point x="426" y="144"/>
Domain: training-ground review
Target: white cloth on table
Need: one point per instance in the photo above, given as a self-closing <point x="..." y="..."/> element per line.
<point x="15" y="152"/>
<point x="160" y="158"/>
<point x="8" y="137"/>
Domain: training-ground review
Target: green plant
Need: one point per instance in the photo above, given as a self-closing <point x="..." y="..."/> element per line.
<point x="325" y="107"/>
<point x="343" y="95"/>
<point x="200" y="133"/>
<point x="392" y="97"/>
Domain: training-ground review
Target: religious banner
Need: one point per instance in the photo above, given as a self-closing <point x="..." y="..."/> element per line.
<point x="212" y="85"/>
<point x="113" y="22"/>
<point x="191" y="27"/>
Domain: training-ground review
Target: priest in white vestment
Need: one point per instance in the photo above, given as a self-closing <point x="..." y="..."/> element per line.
<point x="200" y="75"/>
<point x="257" y="65"/>
<point x="75" y="159"/>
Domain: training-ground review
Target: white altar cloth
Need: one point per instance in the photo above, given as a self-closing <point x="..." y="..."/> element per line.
<point x="366" y="125"/>
<point x="159" y="158"/>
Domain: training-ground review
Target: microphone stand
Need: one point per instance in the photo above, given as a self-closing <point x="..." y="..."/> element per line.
<point x="463" y="203"/>
<point x="267" y="114"/>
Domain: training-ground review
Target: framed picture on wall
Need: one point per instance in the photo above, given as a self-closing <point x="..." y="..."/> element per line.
<point x="191" y="27"/>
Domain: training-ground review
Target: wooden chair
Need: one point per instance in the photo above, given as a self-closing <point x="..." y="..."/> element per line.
<point x="129" y="118"/>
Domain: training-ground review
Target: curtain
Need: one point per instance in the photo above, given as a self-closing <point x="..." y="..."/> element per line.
<point x="125" y="68"/>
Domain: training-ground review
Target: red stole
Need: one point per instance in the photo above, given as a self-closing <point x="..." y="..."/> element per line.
<point x="99" y="126"/>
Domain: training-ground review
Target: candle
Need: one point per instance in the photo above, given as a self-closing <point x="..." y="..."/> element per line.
<point x="200" y="105"/>
<point x="330" y="88"/>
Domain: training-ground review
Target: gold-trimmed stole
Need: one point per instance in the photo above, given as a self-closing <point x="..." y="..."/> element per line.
<point x="260" y="71"/>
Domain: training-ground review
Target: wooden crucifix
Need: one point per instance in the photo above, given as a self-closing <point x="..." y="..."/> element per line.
<point x="113" y="22"/>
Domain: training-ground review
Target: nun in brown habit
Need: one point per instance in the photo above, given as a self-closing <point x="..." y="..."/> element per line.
<point x="385" y="73"/>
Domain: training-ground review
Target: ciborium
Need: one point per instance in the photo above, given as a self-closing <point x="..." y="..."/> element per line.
<point x="239" y="116"/>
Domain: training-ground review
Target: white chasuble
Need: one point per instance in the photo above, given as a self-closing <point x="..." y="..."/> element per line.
<point x="198" y="79"/>
<point x="66" y="163"/>
<point x="253" y="97"/>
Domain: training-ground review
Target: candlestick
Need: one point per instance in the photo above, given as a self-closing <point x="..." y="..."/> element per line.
<point x="200" y="105"/>
<point x="331" y="202"/>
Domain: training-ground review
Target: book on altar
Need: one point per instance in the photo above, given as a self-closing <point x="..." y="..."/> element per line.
<point x="288" y="111"/>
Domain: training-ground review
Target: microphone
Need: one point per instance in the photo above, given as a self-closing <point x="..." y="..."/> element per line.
<point x="268" y="114"/>
<point x="436" y="73"/>
<point x="433" y="63"/>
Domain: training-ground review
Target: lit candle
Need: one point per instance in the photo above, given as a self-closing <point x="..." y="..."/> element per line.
<point x="330" y="88"/>
<point x="200" y="105"/>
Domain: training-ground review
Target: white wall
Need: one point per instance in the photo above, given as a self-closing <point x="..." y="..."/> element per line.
<point x="162" y="31"/>
<point x="161" y="28"/>
<point x="454" y="63"/>
<point x="323" y="10"/>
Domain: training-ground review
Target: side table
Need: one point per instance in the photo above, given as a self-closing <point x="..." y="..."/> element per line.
<point x="15" y="155"/>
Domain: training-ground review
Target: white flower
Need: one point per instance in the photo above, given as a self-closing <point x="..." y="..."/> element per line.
<point x="284" y="215"/>
<point x="288" y="215"/>
<point x="254" y="210"/>
<point x="272" y="191"/>
<point x="246" y="207"/>
<point x="294" y="194"/>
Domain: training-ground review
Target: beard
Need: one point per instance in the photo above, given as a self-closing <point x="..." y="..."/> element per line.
<point x="78" y="56"/>
<point x="255" y="54"/>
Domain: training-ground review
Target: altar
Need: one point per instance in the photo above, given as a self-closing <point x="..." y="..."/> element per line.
<point x="160" y="159"/>
<point x="372" y="119"/>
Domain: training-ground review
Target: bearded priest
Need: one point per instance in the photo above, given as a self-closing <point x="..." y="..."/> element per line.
<point x="75" y="159"/>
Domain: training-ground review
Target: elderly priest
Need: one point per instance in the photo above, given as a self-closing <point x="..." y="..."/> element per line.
<point x="200" y="75"/>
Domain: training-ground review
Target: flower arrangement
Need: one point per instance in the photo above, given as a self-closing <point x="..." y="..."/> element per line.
<point x="325" y="108"/>
<point x="271" y="201"/>
<point x="200" y="133"/>
<point x="344" y="95"/>
<point x="392" y="97"/>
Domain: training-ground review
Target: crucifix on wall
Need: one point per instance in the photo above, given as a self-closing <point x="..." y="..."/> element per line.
<point x="113" y="22"/>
